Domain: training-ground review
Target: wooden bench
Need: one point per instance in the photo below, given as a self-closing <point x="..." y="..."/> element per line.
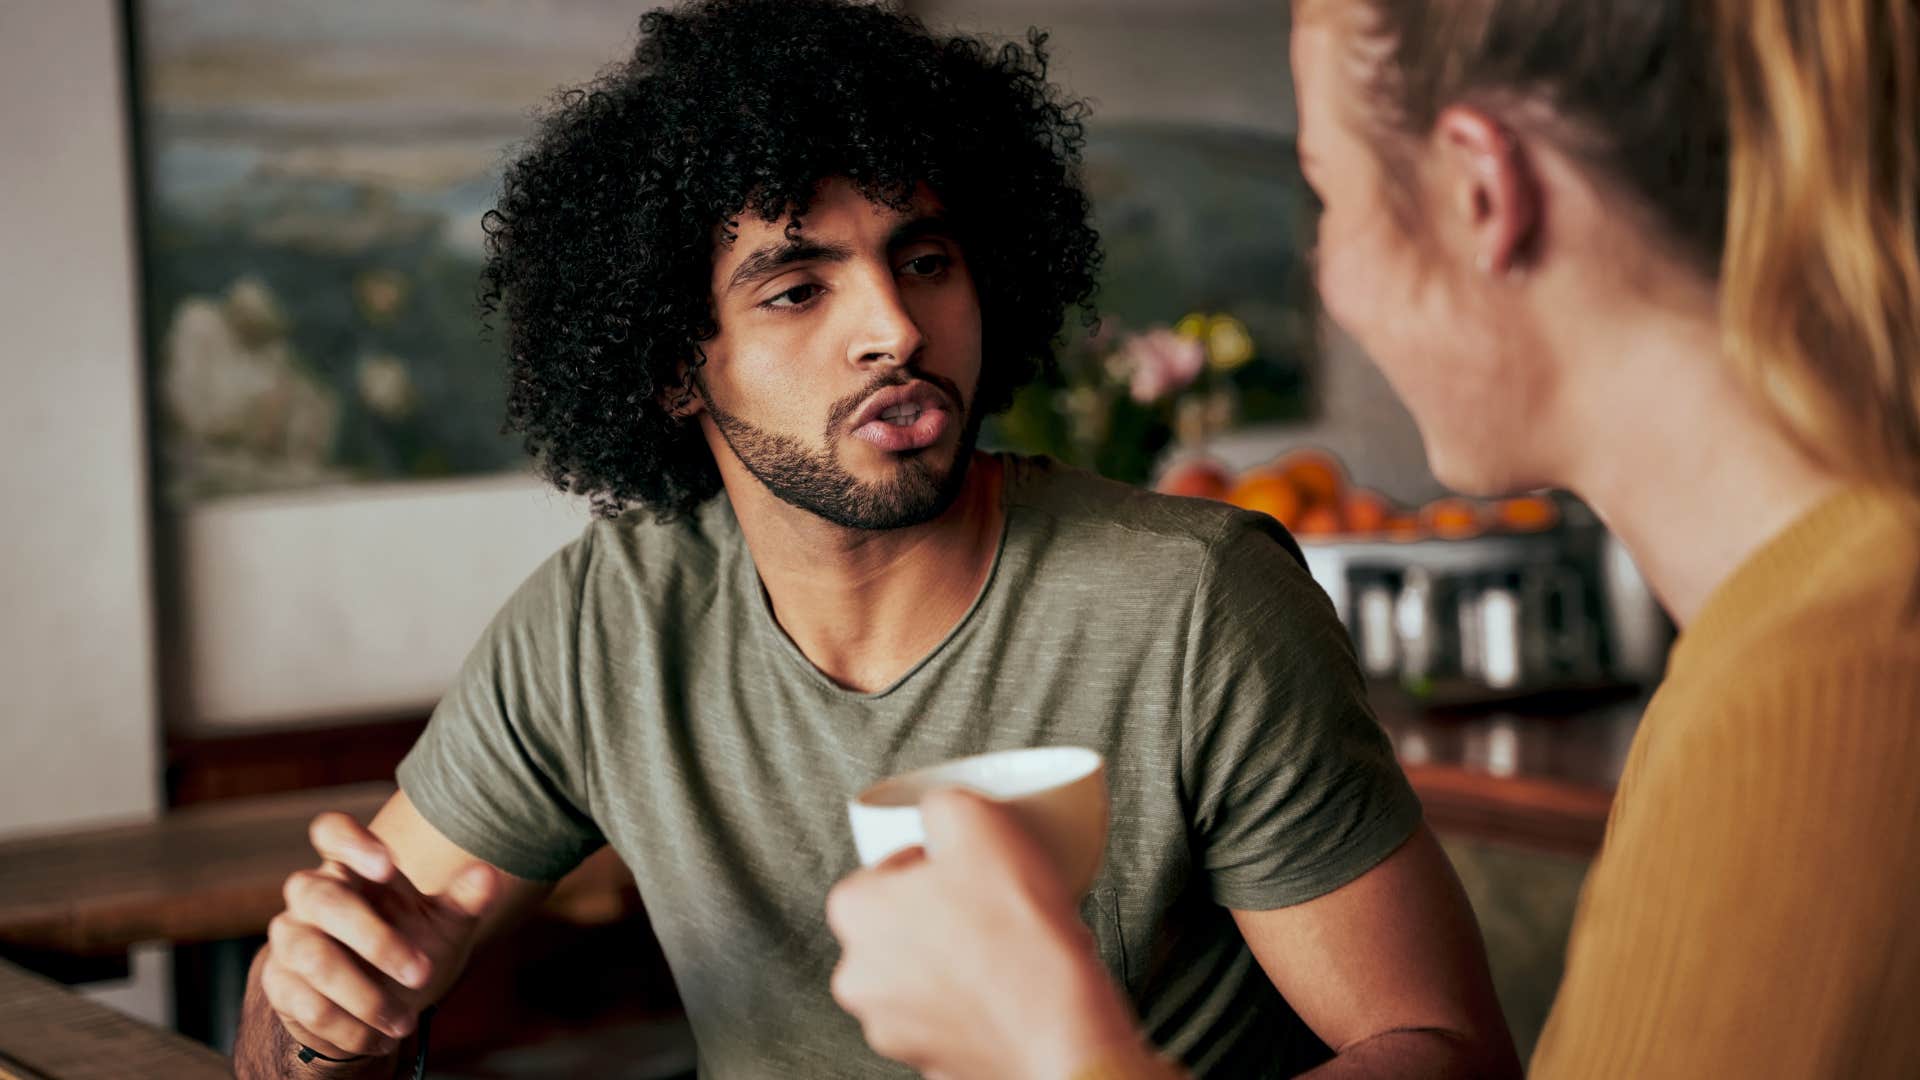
<point x="48" y="1032"/>
<point x="208" y="873"/>
<point x="206" y="879"/>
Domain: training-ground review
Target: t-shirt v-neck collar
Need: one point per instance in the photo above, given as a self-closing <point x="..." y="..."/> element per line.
<point x="764" y="618"/>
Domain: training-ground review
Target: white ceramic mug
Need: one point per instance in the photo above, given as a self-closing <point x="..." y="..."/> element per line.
<point x="1058" y="793"/>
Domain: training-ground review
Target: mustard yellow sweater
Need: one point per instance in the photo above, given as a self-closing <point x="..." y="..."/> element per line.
<point x="1756" y="908"/>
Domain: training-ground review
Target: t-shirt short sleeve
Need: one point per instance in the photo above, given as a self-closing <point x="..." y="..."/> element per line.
<point x="502" y="768"/>
<point x="1294" y="787"/>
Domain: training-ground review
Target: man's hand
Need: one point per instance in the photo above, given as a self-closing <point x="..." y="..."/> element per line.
<point x="360" y="952"/>
<point x="968" y="960"/>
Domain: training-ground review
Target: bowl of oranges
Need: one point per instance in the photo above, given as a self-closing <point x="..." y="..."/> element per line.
<point x="1309" y="492"/>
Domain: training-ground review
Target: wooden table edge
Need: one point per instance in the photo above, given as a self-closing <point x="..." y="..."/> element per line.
<point x="1526" y="811"/>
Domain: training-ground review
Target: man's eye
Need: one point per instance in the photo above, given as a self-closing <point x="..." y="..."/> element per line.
<point x="926" y="265"/>
<point x="794" y="297"/>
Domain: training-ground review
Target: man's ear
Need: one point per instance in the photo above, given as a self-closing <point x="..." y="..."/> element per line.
<point x="683" y="401"/>
<point x="1492" y="187"/>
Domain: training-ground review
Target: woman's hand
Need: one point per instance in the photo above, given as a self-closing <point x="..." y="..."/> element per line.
<point x="967" y="959"/>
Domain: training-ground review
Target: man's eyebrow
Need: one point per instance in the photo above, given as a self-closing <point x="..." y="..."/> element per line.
<point x="771" y="258"/>
<point x="920" y="228"/>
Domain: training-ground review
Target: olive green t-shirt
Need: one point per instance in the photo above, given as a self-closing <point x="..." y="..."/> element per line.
<point x="637" y="692"/>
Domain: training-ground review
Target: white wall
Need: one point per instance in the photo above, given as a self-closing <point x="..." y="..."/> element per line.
<point x="1162" y="60"/>
<point x="78" y="724"/>
<point x="323" y="607"/>
<point x="1220" y="61"/>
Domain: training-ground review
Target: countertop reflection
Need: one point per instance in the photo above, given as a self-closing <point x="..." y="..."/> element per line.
<point x="1538" y="771"/>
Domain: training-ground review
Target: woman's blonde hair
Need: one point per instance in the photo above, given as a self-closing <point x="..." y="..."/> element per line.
<point x="1820" y="284"/>
<point x="1775" y="143"/>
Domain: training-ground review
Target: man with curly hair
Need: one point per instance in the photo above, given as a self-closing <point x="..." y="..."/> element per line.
<point x="760" y="284"/>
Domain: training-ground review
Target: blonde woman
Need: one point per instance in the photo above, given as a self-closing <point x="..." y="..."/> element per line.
<point x="1662" y="253"/>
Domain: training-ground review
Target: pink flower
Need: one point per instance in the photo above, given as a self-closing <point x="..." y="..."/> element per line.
<point x="1161" y="362"/>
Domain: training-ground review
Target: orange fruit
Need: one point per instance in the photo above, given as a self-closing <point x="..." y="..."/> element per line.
<point x="1529" y="513"/>
<point x="1196" y="478"/>
<point x="1367" y="511"/>
<point x="1320" y="521"/>
<point x="1268" y="493"/>
<point x="1453" y="519"/>
<point x="1317" y="475"/>
<point x="1403" y="527"/>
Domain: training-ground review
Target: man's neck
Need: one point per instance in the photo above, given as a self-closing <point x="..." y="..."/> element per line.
<point x="865" y="607"/>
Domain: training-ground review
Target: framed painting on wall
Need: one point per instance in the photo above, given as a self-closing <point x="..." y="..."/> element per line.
<point x="343" y="510"/>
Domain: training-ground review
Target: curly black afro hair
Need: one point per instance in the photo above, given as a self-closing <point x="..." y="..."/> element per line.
<point x="600" y="250"/>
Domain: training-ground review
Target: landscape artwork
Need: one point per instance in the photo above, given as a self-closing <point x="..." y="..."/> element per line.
<point x="313" y="182"/>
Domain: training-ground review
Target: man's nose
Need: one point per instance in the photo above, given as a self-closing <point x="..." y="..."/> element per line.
<point x="888" y="335"/>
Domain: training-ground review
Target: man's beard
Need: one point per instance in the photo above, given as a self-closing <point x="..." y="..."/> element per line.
<point x="816" y="482"/>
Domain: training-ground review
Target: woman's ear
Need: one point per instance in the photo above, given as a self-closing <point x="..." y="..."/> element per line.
<point x="1491" y="185"/>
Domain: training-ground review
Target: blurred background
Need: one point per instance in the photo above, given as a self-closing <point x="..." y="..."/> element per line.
<point x="257" y="505"/>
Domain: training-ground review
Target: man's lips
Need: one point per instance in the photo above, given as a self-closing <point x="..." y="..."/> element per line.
<point x="903" y="418"/>
<point x="895" y="401"/>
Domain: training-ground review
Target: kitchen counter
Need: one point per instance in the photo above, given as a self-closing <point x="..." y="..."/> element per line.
<point x="1538" y="773"/>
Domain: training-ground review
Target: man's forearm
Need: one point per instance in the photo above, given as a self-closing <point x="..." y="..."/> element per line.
<point x="1429" y="1052"/>
<point x="263" y="1049"/>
